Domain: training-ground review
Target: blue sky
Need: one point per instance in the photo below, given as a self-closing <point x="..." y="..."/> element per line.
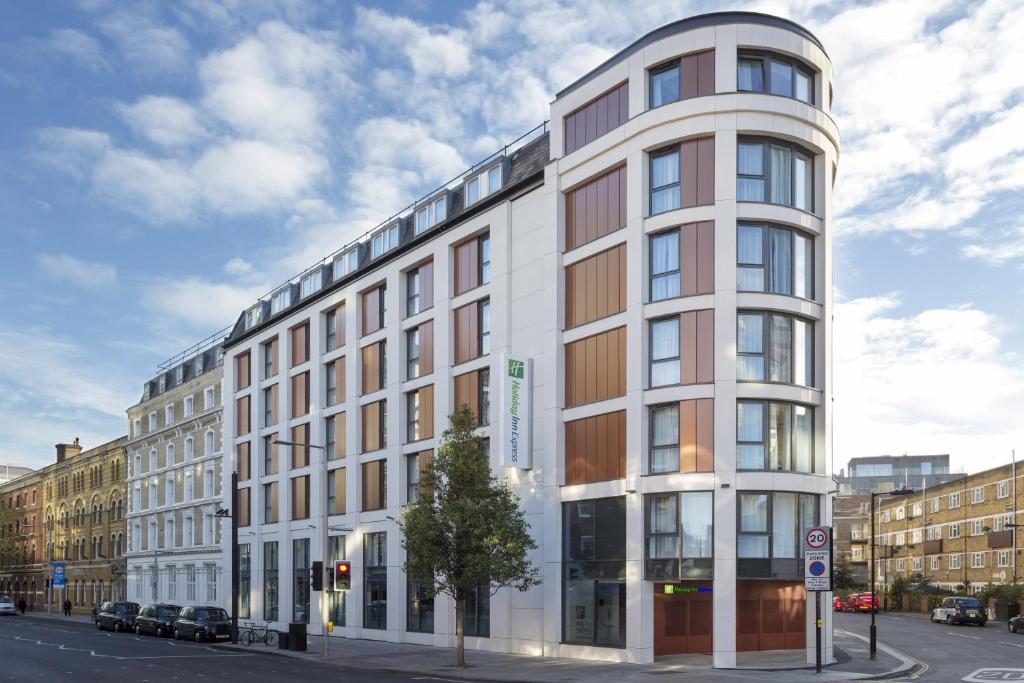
<point x="163" y="164"/>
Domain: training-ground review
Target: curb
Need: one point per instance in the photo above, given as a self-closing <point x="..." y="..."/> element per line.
<point x="909" y="666"/>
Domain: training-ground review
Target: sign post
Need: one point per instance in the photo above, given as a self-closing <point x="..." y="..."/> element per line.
<point x="818" y="576"/>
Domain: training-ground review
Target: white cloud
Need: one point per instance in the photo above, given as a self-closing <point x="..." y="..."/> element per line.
<point x="165" y="121"/>
<point x="158" y="189"/>
<point x="442" y="52"/>
<point x="997" y="250"/>
<point x="146" y="45"/>
<point x="80" y="273"/>
<point x="237" y="266"/>
<point x="932" y="381"/>
<point x="199" y="302"/>
<point x="81" y="47"/>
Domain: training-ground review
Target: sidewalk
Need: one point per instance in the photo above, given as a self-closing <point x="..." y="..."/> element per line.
<point x="57" y="615"/>
<point x="852" y="663"/>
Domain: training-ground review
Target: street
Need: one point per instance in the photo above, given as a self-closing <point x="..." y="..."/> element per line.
<point x="45" y="650"/>
<point x="951" y="653"/>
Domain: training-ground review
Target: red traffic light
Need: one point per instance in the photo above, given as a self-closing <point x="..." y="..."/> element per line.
<point x="342" y="575"/>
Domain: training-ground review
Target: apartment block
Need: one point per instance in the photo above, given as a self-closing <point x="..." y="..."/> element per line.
<point x="958" y="535"/>
<point x="655" y="265"/>
<point x="173" y="484"/>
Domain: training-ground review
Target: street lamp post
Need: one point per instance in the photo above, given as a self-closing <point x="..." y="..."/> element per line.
<point x="324" y="533"/>
<point x="874" y="560"/>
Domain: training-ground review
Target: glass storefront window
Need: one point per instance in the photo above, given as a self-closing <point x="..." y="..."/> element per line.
<point x="680" y="535"/>
<point x="770" y="532"/>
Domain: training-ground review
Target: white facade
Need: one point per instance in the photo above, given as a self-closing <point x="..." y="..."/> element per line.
<point x="526" y="291"/>
<point x="174" y="480"/>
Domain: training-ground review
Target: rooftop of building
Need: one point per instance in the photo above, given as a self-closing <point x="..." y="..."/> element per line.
<point x="195" y="361"/>
<point x="690" y="24"/>
<point x="521" y="163"/>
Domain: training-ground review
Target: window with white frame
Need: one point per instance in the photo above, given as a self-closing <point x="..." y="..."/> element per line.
<point x="977" y="495"/>
<point x="188" y="406"/>
<point x="311" y="283"/>
<point x="915" y="536"/>
<point x="190" y="582"/>
<point x="936" y="562"/>
<point x="933" y="505"/>
<point x="977" y="560"/>
<point x="169" y="532"/>
<point x="172" y="582"/>
<point x="209" y="448"/>
<point x="954" y="530"/>
<point x="169" y="460"/>
<point x="152" y="460"/>
<point x="857" y="553"/>
<point x="954" y="500"/>
<point x="211" y="583"/>
<point x="346" y="263"/>
<point x="664" y="366"/>
<point x="136" y="427"/>
<point x="1003" y="489"/>
<point x="934" y="533"/>
<point x="208" y="398"/>
<point x="431" y="213"/>
<point x="901" y="512"/>
<point x="901" y="565"/>
<point x="916" y="510"/>
<point x="281" y="300"/>
<point x="917" y="564"/>
<point x="1000" y="522"/>
<point x="169" y="489"/>
<point x="179" y="374"/>
<point x="901" y="538"/>
<point x="886" y="516"/>
<point x="1003" y="558"/>
<point x="384" y="241"/>
<point x="483" y="184"/>
<point x="954" y="561"/>
<point x="189" y="448"/>
<point x="977" y="527"/>
<point x="152" y="421"/>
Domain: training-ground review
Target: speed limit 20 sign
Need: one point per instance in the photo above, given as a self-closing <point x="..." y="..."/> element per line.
<point x="818" y="537"/>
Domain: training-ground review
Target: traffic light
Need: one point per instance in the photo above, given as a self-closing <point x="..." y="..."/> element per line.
<point x="342" y="575"/>
<point x="317" y="575"/>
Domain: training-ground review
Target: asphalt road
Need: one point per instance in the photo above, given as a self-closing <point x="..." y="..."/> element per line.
<point x="43" y="650"/>
<point x="951" y="653"/>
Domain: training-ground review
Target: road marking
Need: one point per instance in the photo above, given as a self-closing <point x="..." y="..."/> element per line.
<point x="961" y="635"/>
<point x="1001" y="642"/>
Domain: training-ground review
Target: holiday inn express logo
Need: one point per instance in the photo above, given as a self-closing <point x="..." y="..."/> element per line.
<point x="516" y="408"/>
<point x="516" y="368"/>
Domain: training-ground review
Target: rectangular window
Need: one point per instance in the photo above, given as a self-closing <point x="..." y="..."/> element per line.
<point x="954" y="500"/>
<point x="420" y="612"/>
<point x="977" y="495"/>
<point x="665" y="194"/>
<point x="281" y="300"/>
<point x="680" y="536"/>
<point x="384" y="241"/>
<point x="300" y="497"/>
<point x="781" y="344"/>
<point x="311" y="283"/>
<point x="374" y="426"/>
<point x="594" y="572"/>
<point x="270" y="462"/>
<point x="771" y="528"/>
<point x="270" y="580"/>
<point x="300" y="586"/>
<point x="775" y="172"/>
<point x="299" y="337"/>
<point x="750" y="75"/>
<point x="664" y="368"/>
<point x="334" y="328"/>
<point x="977" y="560"/>
<point x="374" y="480"/>
<point x="476" y="612"/>
<point x="415" y="465"/>
<point x="1003" y="558"/>
<point x="664" y="439"/>
<point x="775" y="75"/>
<point x="412" y="293"/>
<point x="244" y="580"/>
<point x="976" y="527"/>
<point x="330" y="384"/>
<point x="270" y="406"/>
<point x="484" y="341"/>
<point x="432" y="213"/>
<point x="420" y="414"/>
<point x="664" y="85"/>
<point x="472" y="331"/>
<point x="665" y="265"/>
<point x="935" y="563"/>
<point x="954" y="530"/>
<point x="1003" y="489"/>
<point x="375" y="581"/>
<point x="954" y="562"/>
<point x="790" y="436"/>
<point x="270" y="503"/>
<point x="412" y="350"/>
<point x="336" y="498"/>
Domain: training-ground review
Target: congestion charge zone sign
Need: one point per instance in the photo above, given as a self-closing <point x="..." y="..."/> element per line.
<point x="818" y="559"/>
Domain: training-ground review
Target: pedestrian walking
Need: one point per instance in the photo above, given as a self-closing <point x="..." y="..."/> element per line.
<point x="67" y="608"/>
<point x="22" y="605"/>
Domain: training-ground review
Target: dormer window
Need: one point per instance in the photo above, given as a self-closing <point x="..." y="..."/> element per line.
<point x="431" y="213"/>
<point x="311" y="283"/>
<point x="281" y="300"/>
<point x="162" y="382"/>
<point x="384" y="241"/>
<point x="254" y="316"/>
<point x="199" y="364"/>
<point x="346" y="263"/>
<point x="145" y="391"/>
<point x="180" y="374"/>
<point x="483" y="184"/>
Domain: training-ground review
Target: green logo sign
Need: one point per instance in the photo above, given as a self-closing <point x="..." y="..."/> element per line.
<point x="516" y="368"/>
<point x="669" y="589"/>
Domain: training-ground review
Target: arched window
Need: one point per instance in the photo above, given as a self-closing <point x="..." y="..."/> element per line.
<point x="170" y="455"/>
<point x="189" y="449"/>
<point x="208" y="446"/>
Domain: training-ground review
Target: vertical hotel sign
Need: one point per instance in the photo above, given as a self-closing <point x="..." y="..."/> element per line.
<point x="516" y="413"/>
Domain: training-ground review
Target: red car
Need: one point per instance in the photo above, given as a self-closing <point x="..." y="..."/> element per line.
<point x="862" y="602"/>
<point x="840" y="603"/>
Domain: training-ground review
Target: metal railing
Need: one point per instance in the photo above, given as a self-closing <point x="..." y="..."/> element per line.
<point x="196" y="348"/>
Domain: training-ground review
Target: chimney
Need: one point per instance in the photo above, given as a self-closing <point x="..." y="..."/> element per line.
<point x="68" y="450"/>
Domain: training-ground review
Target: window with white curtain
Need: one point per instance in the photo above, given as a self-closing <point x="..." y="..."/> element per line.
<point x="774" y="436"/>
<point x="775" y="74"/>
<point x="775" y="172"/>
<point x="664" y="368"/>
<point x="771" y="529"/>
<point x="665" y="265"/>
<point x="679" y="535"/>
<point x="774" y="259"/>
<point x="664" y="440"/>
<point x="774" y="348"/>
<point x="665" y="181"/>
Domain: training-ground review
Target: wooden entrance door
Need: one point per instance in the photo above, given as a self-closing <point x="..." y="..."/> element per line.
<point x="682" y="619"/>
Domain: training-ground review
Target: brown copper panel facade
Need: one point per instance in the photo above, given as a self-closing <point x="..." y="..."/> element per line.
<point x="371" y="374"/>
<point x="426" y="398"/>
<point x="467" y="332"/>
<point x="243" y="371"/>
<point x="340" y="379"/>
<point x="272" y="349"/>
<point x="697" y="435"/>
<point x="467" y="265"/>
<point x="595" y="368"/>
<point x="272" y="400"/>
<point x="340" y="435"/>
<point x="372" y="426"/>
<point x="426" y="331"/>
<point x="770" y="615"/>
<point x="300" y="497"/>
<point x="242" y="422"/>
<point x="300" y="394"/>
<point x="339" y="326"/>
<point x="244" y="458"/>
<point x="373" y="485"/>
<point x="596" y="208"/>
<point x="697" y="74"/>
<point x="596" y="287"/>
<point x="244" y="507"/>
<point x="467" y="392"/>
<point x="300" y="454"/>
<point x="300" y="344"/>
<point x="599" y="116"/>
<point x="426" y="285"/>
<point x="272" y="491"/>
<point x="595" y="448"/>
<point x="339" y="491"/>
<point x="372" y="301"/>
<point x="682" y="621"/>
<point x="697" y="347"/>
<point x="697" y="258"/>
<point x="274" y="450"/>
<point x="697" y="172"/>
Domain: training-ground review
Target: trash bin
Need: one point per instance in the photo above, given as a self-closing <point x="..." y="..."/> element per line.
<point x="297" y="636"/>
<point x="282" y="640"/>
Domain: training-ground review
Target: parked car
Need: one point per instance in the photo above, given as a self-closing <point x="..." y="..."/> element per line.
<point x="840" y="603"/>
<point x="960" y="610"/>
<point x="1016" y="624"/>
<point x="118" y="616"/>
<point x="7" y="605"/>
<point x="202" y="623"/>
<point x="156" y="619"/>
<point x="864" y="602"/>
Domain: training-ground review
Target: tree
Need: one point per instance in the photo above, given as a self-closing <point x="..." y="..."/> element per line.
<point x="465" y="528"/>
<point x="844" y="579"/>
<point x="12" y="547"/>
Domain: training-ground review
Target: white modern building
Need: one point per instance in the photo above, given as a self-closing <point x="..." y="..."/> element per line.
<point x="173" y="486"/>
<point x="661" y="259"/>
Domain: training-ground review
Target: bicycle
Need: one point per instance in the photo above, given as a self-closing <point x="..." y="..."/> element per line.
<point x="254" y="634"/>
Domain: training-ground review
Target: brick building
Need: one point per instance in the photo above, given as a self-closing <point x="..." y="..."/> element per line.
<point x="21" y="574"/>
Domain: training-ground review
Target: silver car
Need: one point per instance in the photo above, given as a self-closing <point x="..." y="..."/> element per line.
<point x="7" y="605"/>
